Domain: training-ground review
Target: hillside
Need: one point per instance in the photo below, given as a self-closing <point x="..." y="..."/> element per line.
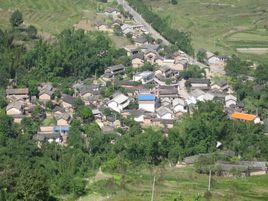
<point x="49" y="16"/>
<point x="220" y="25"/>
<point x="174" y="183"/>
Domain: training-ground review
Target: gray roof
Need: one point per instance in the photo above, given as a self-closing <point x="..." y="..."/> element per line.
<point x="68" y="99"/>
<point x="18" y="105"/>
<point x="44" y="137"/>
<point x="117" y="67"/>
<point x="197" y="92"/>
<point x="152" y="47"/>
<point x="140" y="39"/>
<point x="93" y="89"/>
<point x="163" y="110"/>
<point x="168" y="90"/>
<point x="139" y="55"/>
<point x="199" y="81"/>
<point x="21" y="91"/>
<point x="64" y="116"/>
<point x="178" y="101"/>
<point x="59" y="109"/>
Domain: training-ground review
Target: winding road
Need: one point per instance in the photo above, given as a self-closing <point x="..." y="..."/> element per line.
<point x="139" y="19"/>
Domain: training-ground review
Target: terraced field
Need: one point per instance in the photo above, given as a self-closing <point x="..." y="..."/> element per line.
<point x="219" y="25"/>
<point x="49" y="16"/>
<point x="172" y="182"/>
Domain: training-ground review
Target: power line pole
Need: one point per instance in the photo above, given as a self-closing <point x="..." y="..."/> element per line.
<point x="152" y="199"/>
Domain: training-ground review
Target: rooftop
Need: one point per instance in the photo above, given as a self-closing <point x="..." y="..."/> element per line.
<point x="243" y="116"/>
<point x="21" y="91"/>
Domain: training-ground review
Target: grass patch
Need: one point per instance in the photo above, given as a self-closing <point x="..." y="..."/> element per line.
<point x="50" y="16"/>
<point x="170" y="182"/>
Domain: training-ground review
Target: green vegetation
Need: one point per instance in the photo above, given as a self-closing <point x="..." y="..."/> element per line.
<point x="49" y="16"/>
<point x="181" y="40"/>
<point x="220" y="25"/>
<point x="173" y="183"/>
<point x="252" y="92"/>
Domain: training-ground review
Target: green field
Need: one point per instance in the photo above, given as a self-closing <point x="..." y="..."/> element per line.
<point x="50" y="16"/>
<point x="171" y="182"/>
<point x="219" y="25"/>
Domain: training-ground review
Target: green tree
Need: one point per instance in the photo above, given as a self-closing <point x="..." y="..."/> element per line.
<point x="201" y="56"/>
<point x="16" y="18"/>
<point x="32" y="186"/>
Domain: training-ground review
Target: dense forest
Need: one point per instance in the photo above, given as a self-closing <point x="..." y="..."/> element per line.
<point x="31" y="173"/>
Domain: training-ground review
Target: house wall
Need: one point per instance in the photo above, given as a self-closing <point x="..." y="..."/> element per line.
<point x="17" y="120"/>
<point x="62" y="122"/>
<point x="147" y="106"/>
<point x="45" y="97"/>
<point x="13" y="111"/>
<point x="139" y="119"/>
<point x="230" y="102"/>
<point x="179" y="108"/>
<point x="114" y="106"/>
<point x="166" y="116"/>
<point x="136" y="63"/>
<point x="66" y="105"/>
<point x="199" y="85"/>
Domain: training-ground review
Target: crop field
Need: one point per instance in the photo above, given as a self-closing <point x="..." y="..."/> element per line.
<point x="219" y="25"/>
<point x="50" y="16"/>
<point x="172" y="182"/>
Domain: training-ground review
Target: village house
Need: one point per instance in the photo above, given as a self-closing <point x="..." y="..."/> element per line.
<point x="68" y="102"/>
<point x="147" y="102"/>
<point x="167" y="91"/>
<point x="194" y="96"/>
<point x="166" y="102"/>
<point x="221" y="85"/>
<point x="230" y="100"/>
<point x="138" y="115"/>
<point x="17" y="94"/>
<point x="63" y="119"/>
<point x="127" y="29"/>
<point x="137" y="60"/>
<point x="115" y="70"/>
<point x="46" y="92"/>
<point x="166" y="72"/>
<point x="87" y="91"/>
<point x="16" y="111"/>
<point x="119" y="102"/>
<point x="150" y="47"/>
<point x="104" y="27"/>
<point x="57" y="110"/>
<point x="112" y="11"/>
<point x="144" y="77"/>
<point x="140" y="40"/>
<point x="198" y="83"/>
<point x="213" y="59"/>
<point x="150" y="56"/>
<point x="164" y="113"/>
<point x="179" y="105"/>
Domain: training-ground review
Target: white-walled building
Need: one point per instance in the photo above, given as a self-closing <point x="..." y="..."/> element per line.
<point x="119" y="102"/>
<point x="144" y="77"/>
<point x="147" y="102"/>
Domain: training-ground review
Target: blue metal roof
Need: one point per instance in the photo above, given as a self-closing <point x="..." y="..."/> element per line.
<point x="61" y="128"/>
<point x="146" y="97"/>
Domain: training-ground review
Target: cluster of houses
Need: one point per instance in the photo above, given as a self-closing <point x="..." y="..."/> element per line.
<point x="161" y="96"/>
<point x="22" y="105"/>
